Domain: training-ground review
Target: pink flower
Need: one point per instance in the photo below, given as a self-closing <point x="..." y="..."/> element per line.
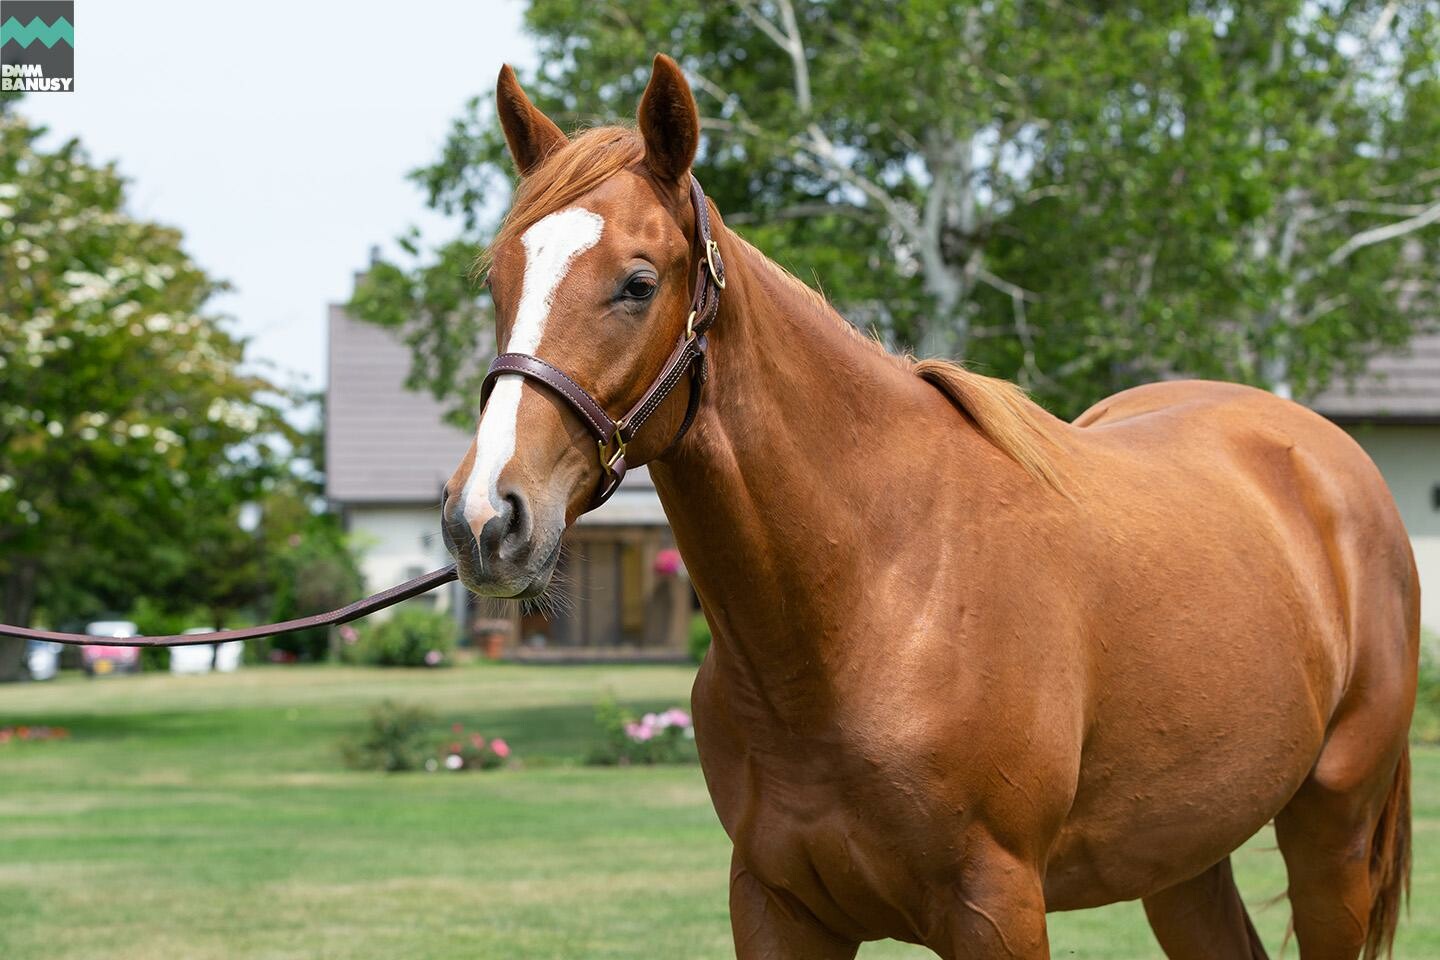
<point x="476" y="741"/>
<point x="349" y="634"/>
<point x="433" y="658"/>
<point x="500" y="748"/>
<point x="454" y="762"/>
<point x="639" y="732"/>
<point x="675" y="717"/>
<point x="457" y="728"/>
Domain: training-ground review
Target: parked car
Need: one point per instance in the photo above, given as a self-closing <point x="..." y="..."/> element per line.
<point x="100" y="659"/>
<point x="42" y="659"/>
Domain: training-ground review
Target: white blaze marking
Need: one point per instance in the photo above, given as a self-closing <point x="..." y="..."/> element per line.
<point x="551" y="245"/>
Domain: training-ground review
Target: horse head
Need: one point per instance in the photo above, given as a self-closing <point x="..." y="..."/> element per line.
<point x="592" y="276"/>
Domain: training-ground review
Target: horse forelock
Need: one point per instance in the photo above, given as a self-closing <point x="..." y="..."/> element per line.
<point x="564" y="177"/>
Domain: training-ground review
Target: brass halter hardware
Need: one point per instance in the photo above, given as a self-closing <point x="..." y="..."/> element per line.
<point x="712" y="250"/>
<point x="608" y="459"/>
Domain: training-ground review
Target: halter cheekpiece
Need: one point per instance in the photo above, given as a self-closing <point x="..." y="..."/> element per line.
<point x="687" y="359"/>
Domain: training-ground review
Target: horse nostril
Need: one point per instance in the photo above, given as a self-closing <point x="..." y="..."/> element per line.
<point x="454" y="525"/>
<point x="506" y="535"/>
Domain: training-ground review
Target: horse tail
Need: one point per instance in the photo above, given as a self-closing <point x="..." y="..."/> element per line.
<point x="1390" y="864"/>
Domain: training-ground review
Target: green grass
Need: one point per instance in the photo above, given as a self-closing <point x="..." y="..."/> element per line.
<point x="210" y="817"/>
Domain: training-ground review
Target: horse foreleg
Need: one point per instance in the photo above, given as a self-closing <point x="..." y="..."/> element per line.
<point x="998" y="913"/>
<point x="1204" y="918"/>
<point x="769" y="926"/>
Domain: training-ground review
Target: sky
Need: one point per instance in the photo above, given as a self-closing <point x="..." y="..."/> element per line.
<point x="277" y="136"/>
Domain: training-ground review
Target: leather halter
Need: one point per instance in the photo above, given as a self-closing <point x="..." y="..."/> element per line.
<point x="687" y="359"/>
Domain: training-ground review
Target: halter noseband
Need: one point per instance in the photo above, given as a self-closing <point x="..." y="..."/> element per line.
<point x="688" y="358"/>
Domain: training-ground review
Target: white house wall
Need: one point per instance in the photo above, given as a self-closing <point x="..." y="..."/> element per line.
<point x="1409" y="457"/>
<point x="397" y="543"/>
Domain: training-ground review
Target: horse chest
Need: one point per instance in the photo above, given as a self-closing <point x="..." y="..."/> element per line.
<point x="814" y="842"/>
<point x="819" y="825"/>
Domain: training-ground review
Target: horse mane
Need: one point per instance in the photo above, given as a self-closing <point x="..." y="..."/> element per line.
<point x="1003" y="413"/>
<point x="1006" y="416"/>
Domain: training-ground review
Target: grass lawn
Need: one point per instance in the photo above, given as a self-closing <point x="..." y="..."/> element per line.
<point x="210" y="817"/>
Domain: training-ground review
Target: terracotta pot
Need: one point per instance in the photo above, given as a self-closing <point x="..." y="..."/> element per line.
<point x="494" y="645"/>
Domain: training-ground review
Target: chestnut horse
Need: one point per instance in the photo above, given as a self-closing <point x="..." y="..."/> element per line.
<point x="971" y="663"/>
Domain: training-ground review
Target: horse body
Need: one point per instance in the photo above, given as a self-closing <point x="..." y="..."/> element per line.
<point x="916" y="642"/>
<point x="970" y="663"/>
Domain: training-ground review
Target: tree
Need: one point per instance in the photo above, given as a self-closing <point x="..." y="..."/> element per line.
<point x="130" y="438"/>
<point x="1079" y="195"/>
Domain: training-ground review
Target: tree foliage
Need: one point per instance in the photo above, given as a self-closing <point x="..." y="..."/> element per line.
<point x="130" y="437"/>
<point x="1080" y="195"/>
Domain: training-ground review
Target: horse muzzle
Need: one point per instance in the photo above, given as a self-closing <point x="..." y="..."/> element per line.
<point x="511" y="555"/>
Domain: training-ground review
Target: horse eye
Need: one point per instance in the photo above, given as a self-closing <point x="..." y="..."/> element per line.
<point x="640" y="287"/>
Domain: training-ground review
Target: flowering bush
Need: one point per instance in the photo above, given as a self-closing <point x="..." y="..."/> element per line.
<point x="32" y="733"/>
<point x="470" y="751"/>
<point x="664" y="737"/>
<point x="398" y="737"/>
<point x="413" y="637"/>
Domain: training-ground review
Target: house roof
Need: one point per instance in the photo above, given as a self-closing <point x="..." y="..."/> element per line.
<point x="385" y="444"/>
<point x="1401" y="386"/>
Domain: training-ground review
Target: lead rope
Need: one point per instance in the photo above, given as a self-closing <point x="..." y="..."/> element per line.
<point x="351" y="611"/>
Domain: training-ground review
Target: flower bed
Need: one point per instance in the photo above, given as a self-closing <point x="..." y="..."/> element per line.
<point x="666" y="736"/>
<point x="32" y="733"/>
<point x="399" y="738"/>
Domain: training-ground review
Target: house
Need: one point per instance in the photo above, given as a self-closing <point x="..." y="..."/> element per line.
<point x="1393" y="410"/>
<point x="620" y="590"/>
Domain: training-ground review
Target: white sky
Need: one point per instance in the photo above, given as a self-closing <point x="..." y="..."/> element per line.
<point x="277" y="136"/>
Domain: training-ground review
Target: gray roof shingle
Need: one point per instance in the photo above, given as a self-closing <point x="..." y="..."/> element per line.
<point x="383" y="443"/>
<point x="1403" y="385"/>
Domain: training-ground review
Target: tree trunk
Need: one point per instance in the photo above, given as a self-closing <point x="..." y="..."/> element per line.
<point x="17" y="600"/>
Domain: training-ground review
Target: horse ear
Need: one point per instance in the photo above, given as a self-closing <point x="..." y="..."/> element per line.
<point x="532" y="136"/>
<point x="669" y="121"/>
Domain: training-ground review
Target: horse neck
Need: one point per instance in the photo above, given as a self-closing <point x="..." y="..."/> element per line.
<point x="804" y="469"/>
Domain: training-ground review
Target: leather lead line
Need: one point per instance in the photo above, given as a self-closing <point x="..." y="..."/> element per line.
<point x="351" y="611"/>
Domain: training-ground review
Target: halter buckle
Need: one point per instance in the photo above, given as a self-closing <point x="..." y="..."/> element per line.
<point x="690" y="327"/>
<point x="712" y="249"/>
<point x="608" y="459"/>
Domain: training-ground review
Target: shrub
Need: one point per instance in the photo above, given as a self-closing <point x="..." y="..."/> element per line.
<point x="699" y="637"/>
<point x="625" y="739"/>
<point x="470" y="751"/>
<point x="396" y="737"/>
<point x="414" y="637"/>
